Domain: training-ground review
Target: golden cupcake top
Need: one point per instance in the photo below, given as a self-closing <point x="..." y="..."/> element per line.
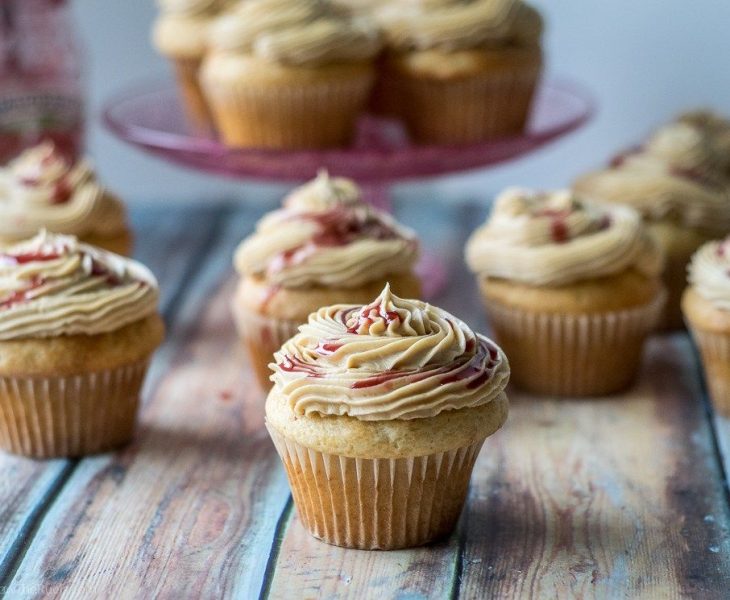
<point x="325" y="235"/>
<point x="52" y="285"/>
<point x="709" y="273"/>
<point x="459" y="24"/>
<point x="680" y="173"/>
<point x="296" y="32"/>
<point x="41" y="188"/>
<point x="557" y="238"/>
<point x="390" y="359"/>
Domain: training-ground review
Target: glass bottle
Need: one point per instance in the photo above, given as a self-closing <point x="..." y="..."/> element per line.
<point x="41" y="87"/>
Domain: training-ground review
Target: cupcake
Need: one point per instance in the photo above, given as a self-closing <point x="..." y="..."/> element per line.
<point x="42" y="188"/>
<point x="289" y="73"/>
<point x="572" y="289"/>
<point x="706" y="306"/>
<point x="77" y="328"/>
<point x="378" y="412"/>
<point x="325" y="246"/>
<point x="180" y="33"/>
<point x="679" y="181"/>
<point x="459" y="71"/>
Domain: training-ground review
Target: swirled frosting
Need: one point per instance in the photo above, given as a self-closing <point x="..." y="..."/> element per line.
<point x="680" y="173"/>
<point x="41" y="188"/>
<point x="296" y="32"/>
<point x="52" y="285"/>
<point x="326" y="235"/>
<point x="390" y="359"/>
<point x="459" y="24"/>
<point x="709" y="273"/>
<point x="557" y="238"/>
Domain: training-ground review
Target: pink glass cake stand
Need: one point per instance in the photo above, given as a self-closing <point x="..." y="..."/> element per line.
<point x="151" y="117"/>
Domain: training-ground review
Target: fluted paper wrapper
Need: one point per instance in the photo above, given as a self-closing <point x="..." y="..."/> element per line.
<point x="381" y="503"/>
<point x="75" y="415"/>
<point x="262" y="336"/>
<point x="573" y="355"/>
<point x="467" y="110"/>
<point x="715" y="352"/>
<point x="197" y="111"/>
<point x="317" y="115"/>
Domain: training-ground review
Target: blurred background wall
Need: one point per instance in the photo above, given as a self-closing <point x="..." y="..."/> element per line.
<point x="644" y="60"/>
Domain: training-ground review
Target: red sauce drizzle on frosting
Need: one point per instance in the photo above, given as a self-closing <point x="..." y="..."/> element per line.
<point x="291" y="364"/>
<point x="23" y="259"/>
<point x="364" y="318"/>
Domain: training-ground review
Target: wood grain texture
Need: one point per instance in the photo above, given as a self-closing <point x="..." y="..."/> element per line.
<point x="27" y="487"/>
<point x="190" y="509"/>
<point x="615" y="497"/>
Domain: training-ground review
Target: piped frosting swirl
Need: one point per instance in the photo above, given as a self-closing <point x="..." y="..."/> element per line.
<point x="326" y="235"/>
<point x="709" y="273"/>
<point x="459" y="24"/>
<point x="390" y="359"/>
<point x="558" y="238"/>
<point x="52" y="285"/>
<point x="680" y="173"/>
<point x="296" y="32"/>
<point x="41" y="188"/>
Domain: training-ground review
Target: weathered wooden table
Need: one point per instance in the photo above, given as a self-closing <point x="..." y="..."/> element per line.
<point x="615" y="497"/>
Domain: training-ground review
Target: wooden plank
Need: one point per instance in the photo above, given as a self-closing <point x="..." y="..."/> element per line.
<point x="190" y="509"/>
<point x="28" y="487"/>
<point x="309" y="568"/>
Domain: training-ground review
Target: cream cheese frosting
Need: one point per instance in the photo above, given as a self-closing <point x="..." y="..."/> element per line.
<point x="390" y="359"/>
<point x="709" y="273"/>
<point x="42" y="189"/>
<point x="296" y="32"/>
<point x="558" y="238"/>
<point x="459" y="24"/>
<point x="325" y="235"/>
<point x="52" y="285"/>
<point x="680" y="174"/>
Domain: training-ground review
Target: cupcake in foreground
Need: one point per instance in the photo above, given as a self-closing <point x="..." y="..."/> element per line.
<point x="180" y="33"/>
<point x="325" y="246"/>
<point x="572" y="290"/>
<point x="77" y="329"/>
<point x="679" y="182"/>
<point x="41" y="188"/>
<point x="378" y="413"/>
<point x="706" y="307"/>
<point x="460" y="71"/>
<point x="289" y="73"/>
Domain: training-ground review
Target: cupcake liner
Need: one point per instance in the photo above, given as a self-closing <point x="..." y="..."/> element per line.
<point x="468" y="110"/>
<point x="262" y="336"/>
<point x="197" y="111"/>
<point x="380" y="503"/>
<point x="715" y="351"/>
<point x="70" y="415"/>
<point x="311" y="115"/>
<point x="573" y="355"/>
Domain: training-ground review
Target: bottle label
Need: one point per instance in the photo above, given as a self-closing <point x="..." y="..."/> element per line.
<point x="32" y="113"/>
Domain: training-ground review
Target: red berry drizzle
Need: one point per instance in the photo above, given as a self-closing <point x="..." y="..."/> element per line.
<point x="365" y="317"/>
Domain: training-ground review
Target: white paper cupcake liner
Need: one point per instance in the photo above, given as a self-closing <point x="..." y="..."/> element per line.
<point x="715" y="351"/>
<point x="70" y="415"/>
<point x="262" y="336"/>
<point x="573" y="355"/>
<point x="381" y="504"/>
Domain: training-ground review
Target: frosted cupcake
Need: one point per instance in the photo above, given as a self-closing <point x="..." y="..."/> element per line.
<point x="378" y="413"/>
<point x="43" y="189"/>
<point x="460" y="71"/>
<point x="325" y="246"/>
<point x="678" y="181"/>
<point x="706" y="306"/>
<point x="180" y="33"/>
<point x="77" y="328"/>
<point x="572" y="290"/>
<point x="289" y="73"/>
